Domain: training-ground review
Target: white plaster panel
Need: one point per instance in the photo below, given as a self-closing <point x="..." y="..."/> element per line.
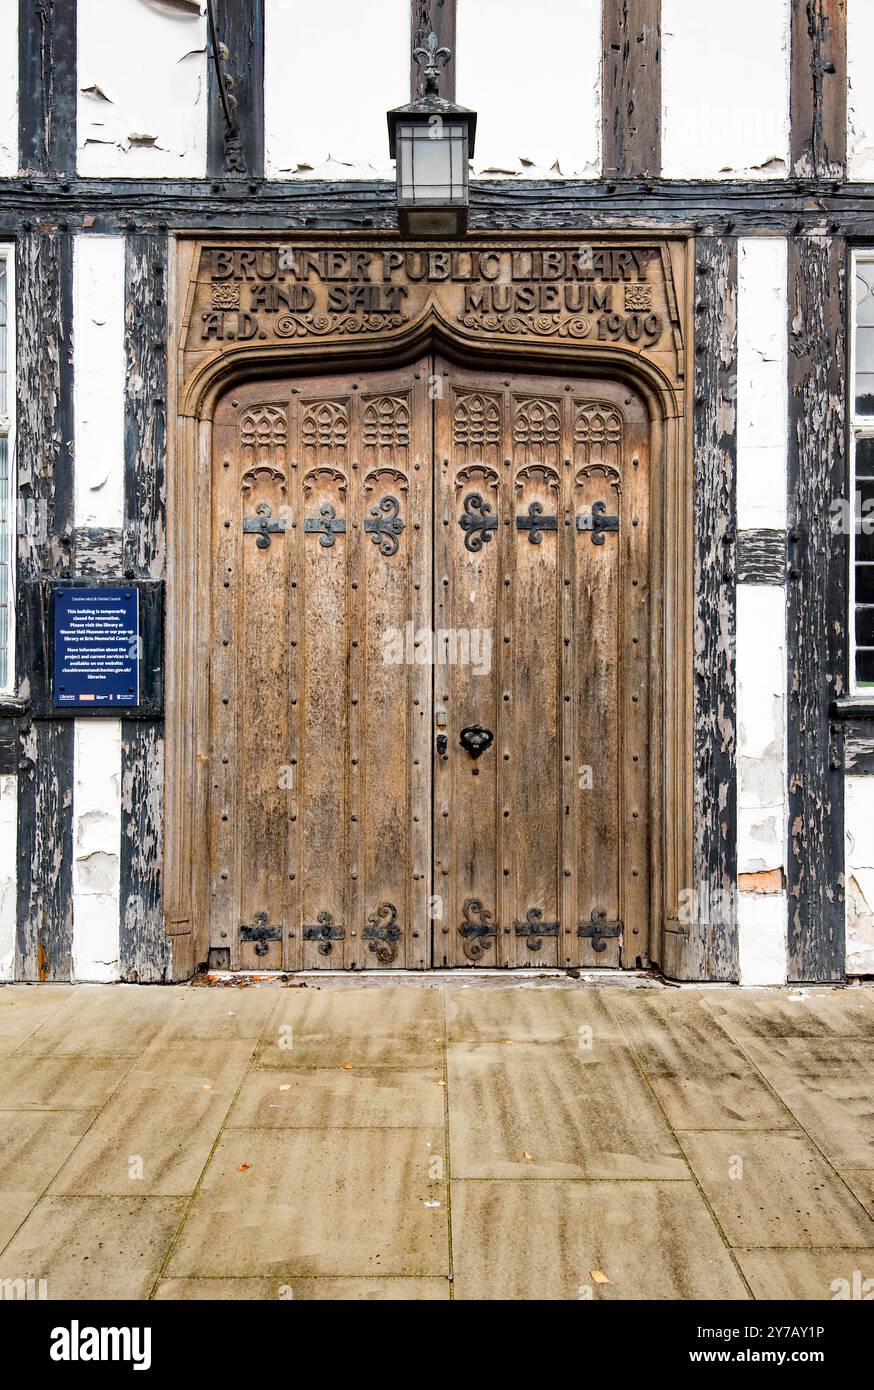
<point x="533" y="75"/>
<point x="860" y="90"/>
<point x="859" y="831"/>
<point x="96" y="848"/>
<point x="761" y="921"/>
<point x="99" y="379"/>
<point x="761" y="727"/>
<point x="8" y="88"/>
<point x="142" y="89"/>
<point x="331" y="72"/>
<point x="8" y="873"/>
<point x="725" y="89"/>
<point x="762" y="388"/>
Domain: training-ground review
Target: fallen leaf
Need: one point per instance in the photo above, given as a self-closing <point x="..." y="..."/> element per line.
<point x="243" y="1167"/>
<point x="441" y="1083"/>
<point x="529" y="1158"/>
<point x="347" y="1066"/>
<point x="599" y="1276"/>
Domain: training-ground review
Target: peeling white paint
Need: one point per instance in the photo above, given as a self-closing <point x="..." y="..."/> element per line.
<point x="96" y="848"/>
<point x="762" y="387"/>
<point x="536" y="84"/>
<point x="99" y="379"/>
<point x="859" y="830"/>
<point x="761" y="727"/>
<point x="8" y="88"/>
<point x="860" y="90"/>
<point x="142" y="80"/>
<point x="725" y="89"/>
<point x="762" y="921"/>
<point x="330" y="73"/>
<point x="8" y="873"/>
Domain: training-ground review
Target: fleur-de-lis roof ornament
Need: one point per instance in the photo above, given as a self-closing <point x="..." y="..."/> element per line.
<point x="431" y="55"/>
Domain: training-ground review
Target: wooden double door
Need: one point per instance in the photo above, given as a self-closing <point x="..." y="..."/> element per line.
<point x="429" y="681"/>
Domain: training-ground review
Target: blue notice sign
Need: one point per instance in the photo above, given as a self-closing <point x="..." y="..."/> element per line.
<point x="97" y="647"/>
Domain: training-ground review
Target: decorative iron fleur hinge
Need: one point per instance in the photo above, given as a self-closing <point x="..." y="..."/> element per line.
<point x="534" y="928"/>
<point x="385" y="525"/>
<point x="476" y="929"/>
<point x="326" y="525"/>
<point x="325" y="933"/>
<point x="382" y="933"/>
<point x="263" y="525"/>
<point x="598" y="930"/>
<point x="259" y="933"/>
<point x="535" y="523"/>
<point x="476" y="522"/>
<point x="597" y="522"/>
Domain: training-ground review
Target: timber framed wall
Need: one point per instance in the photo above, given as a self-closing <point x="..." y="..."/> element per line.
<point x="814" y="197"/>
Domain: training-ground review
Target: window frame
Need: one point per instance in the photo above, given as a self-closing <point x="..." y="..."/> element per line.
<point x="860" y="427"/>
<point x="7" y="431"/>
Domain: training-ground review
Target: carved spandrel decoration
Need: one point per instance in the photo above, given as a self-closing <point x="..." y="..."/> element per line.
<point x="578" y="292"/>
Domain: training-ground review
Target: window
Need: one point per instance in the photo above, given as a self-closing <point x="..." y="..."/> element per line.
<point x="862" y="530"/>
<point x="7" y="457"/>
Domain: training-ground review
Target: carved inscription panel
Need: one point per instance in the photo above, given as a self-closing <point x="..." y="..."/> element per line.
<point x="626" y="296"/>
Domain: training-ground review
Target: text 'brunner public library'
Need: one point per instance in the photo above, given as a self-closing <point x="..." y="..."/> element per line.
<point x="436" y="534"/>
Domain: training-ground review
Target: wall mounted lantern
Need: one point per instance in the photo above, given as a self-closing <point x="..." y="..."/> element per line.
<point x="432" y="141"/>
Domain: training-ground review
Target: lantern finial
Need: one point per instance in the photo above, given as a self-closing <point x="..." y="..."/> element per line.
<point x="431" y="55"/>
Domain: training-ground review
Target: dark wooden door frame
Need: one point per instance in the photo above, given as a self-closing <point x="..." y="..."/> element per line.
<point x="672" y="585"/>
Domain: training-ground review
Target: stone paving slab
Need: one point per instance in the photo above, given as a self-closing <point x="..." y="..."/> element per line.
<point x="774" y="1189"/>
<point x="528" y="1111"/>
<point x="438" y="1138"/>
<point x="399" y="1290"/>
<point x="337" y="1202"/>
<point x="806" y="1275"/>
<point x="24" y="1008"/>
<point x="829" y="1088"/>
<point x="702" y="1077"/>
<point x="555" y="1240"/>
<point x="93" y="1247"/>
<point x="318" y="1027"/>
<point x="59" y="1083"/>
<point x="337" y="1098"/>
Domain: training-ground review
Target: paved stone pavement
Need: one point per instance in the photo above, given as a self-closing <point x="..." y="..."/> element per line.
<point x="432" y="1138"/>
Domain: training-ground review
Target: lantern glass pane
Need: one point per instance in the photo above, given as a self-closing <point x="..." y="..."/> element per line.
<point x="432" y="163"/>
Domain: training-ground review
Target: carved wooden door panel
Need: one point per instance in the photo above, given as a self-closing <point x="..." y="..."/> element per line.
<point x="541" y="579"/>
<point x="320" y="723"/>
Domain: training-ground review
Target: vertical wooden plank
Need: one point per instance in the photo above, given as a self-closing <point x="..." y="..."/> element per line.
<point x="240" y="27"/>
<point x="473" y="863"/>
<point x="710" y="948"/>
<point x="818" y="101"/>
<point x="47" y="86"/>
<point x="144" y="954"/>
<point x="44" y="296"/>
<point x="531" y="807"/>
<point x="396" y="695"/>
<point x="632" y="88"/>
<point x="329" y="673"/>
<point x="816" y="607"/>
<point x="438" y="17"/>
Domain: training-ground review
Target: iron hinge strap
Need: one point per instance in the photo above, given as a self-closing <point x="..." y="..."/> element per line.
<point x="535" y="523"/>
<point x="598" y="930"/>
<point x="597" y="522"/>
